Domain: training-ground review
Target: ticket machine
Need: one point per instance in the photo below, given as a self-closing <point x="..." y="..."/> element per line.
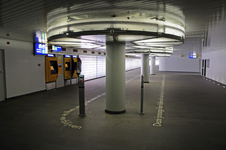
<point x="51" y="68"/>
<point x="67" y="67"/>
<point x="74" y="67"/>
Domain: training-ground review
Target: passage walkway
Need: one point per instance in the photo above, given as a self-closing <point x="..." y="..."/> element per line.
<point x="191" y="110"/>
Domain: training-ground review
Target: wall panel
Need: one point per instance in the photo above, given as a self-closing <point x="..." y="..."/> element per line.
<point x="23" y="73"/>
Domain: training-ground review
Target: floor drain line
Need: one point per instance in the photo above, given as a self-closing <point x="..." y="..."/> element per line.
<point x="160" y="104"/>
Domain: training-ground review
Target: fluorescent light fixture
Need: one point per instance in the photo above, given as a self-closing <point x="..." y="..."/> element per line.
<point x="104" y="47"/>
<point x="133" y="54"/>
<point x="159" y="55"/>
<point x="161" y="39"/>
<point x="151" y="55"/>
<point x="81" y="45"/>
<point x="72" y="40"/>
<point x="169" y="48"/>
<point x="154" y="49"/>
<point x="169" y="30"/>
<point x="158" y="42"/>
<point x="143" y="47"/>
<point x="163" y="55"/>
<point x="161" y="51"/>
<point x="142" y="51"/>
<point x="89" y="45"/>
<point x="62" y="43"/>
<point x="164" y="43"/>
<point x="174" y="26"/>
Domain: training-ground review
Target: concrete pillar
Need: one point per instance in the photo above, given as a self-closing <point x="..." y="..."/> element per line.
<point x="115" y="77"/>
<point x="152" y="72"/>
<point x="145" y="67"/>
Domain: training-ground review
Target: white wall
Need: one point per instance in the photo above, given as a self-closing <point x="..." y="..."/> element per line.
<point x="182" y="64"/>
<point x="216" y="52"/>
<point x="95" y="66"/>
<point x="178" y="63"/>
<point x="132" y="63"/>
<point x="217" y="68"/>
<point x="23" y="75"/>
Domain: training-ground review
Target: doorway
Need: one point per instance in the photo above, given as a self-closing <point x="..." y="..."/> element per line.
<point x="204" y="67"/>
<point x="2" y="76"/>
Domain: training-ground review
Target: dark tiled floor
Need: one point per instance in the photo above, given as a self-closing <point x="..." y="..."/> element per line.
<point x="194" y="117"/>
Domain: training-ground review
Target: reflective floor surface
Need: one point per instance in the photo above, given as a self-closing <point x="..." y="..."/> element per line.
<point x="192" y="113"/>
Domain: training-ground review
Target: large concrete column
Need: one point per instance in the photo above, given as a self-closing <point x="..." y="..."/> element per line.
<point x="152" y="69"/>
<point x="115" y="77"/>
<point x="145" y="67"/>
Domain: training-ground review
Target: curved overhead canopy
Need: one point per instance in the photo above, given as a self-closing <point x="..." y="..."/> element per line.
<point x="143" y="27"/>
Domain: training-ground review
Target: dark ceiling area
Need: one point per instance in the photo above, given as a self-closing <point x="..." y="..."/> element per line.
<point x="19" y="19"/>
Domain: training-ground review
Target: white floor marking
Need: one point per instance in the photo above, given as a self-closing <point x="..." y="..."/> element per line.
<point x="160" y="104"/>
<point x="66" y="113"/>
<point x="132" y="79"/>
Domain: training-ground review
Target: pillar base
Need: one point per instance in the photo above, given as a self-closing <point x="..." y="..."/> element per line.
<point x="115" y="112"/>
<point x="141" y="113"/>
<point x="83" y="115"/>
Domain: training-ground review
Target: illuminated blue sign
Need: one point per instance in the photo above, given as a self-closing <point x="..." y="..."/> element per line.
<point x="50" y="55"/>
<point x="56" y="48"/>
<point x="193" y="56"/>
<point x="75" y="56"/>
<point x="40" y="37"/>
<point x="68" y="56"/>
<point x="41" y="49"/>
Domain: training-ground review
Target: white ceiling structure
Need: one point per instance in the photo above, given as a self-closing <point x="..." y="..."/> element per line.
<point x="86" y="23"/>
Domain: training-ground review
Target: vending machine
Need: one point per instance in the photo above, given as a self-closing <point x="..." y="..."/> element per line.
<point x="67" y="67"/>
<point x="51" y="68"/>
<point x="74" y="66"/>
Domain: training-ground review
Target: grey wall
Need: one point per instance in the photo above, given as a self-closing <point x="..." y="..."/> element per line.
<point x="182" y="64"/>
<point x="23" y="75"/>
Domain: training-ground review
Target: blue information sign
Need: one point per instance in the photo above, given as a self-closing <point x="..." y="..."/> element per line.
<point x="40" y="37"/>
<point x="193" y="56"/>
<point x="50" y="55"/>
<point x="68" y="56"/>
<point x="56" y="48"/>
<point x="41" y="49"/>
